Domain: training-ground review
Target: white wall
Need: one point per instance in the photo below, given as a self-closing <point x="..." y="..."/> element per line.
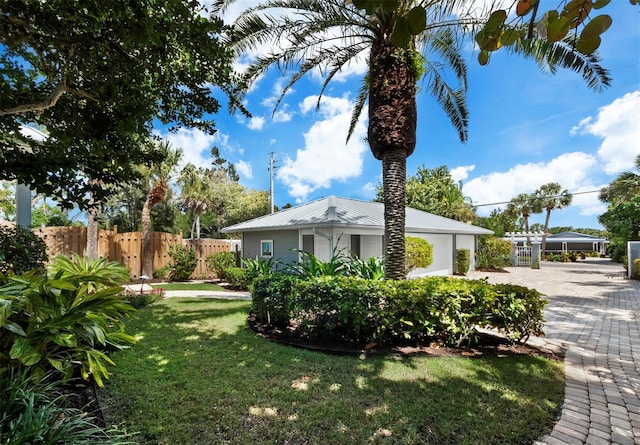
<point x="442" y="254"/>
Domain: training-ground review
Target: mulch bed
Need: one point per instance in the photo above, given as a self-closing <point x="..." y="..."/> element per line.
<point x="488" y="345"/>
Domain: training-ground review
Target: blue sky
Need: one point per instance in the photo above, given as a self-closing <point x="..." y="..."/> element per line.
<point x="526" y="128"/>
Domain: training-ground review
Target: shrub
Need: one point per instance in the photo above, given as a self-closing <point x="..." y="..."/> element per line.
<point x="272" y="297"/>
<point x="161" y="273"/>
<point x="21" y="250"/>
<point x="141" y="299"/>
<point x="34" y="412"/>
<point x="635" y="272"/>
<point x="219" y="262"/>
<point x="493" y="253"/>
<point x="462" y="261"/>
<point x="65" y="321"/>
<point x="311" y="266"/>
<point x="372" y="268"/>
<point x="184" y="262"/>
<point x="356" y="309"/>
<point x="419" y="253"/>
<point x="258" y="267"/>
<point x="236" y="277"/>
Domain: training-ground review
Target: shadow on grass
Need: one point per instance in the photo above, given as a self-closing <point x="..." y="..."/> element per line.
<point x="199" y="376"/>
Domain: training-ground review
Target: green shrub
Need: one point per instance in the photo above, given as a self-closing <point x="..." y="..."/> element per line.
<point x="161" y="273"/>
<point x="272" y="297"/>
<point x="237" y="277"/>
<point x="493" y="253"/>
<point x="419" y="253"/>
<point x="462" y="261"/>
<point x="21" y="250"/>
<point x="372" y="268"/>
<point x="141" y="299"/>
<point x="311" y="266"/>
<point x="518" y="311"/>
<point x="34" y="412"/>
<point x="184" y="262"/>
<point x="361" y="310"/>
<point x="219" y="262"/>
<point x="258" y="267"/>
<point x="65" y="321"/>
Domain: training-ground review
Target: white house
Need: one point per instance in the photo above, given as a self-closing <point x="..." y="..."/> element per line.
<point x="340" y="224"/>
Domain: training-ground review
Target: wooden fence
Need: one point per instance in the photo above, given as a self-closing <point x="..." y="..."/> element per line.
<point x="126" y="247"/>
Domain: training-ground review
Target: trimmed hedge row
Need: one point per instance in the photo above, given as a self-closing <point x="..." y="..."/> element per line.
<point x="367" y="311"/>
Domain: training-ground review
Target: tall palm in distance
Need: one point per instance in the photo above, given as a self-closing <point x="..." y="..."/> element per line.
<point x="625" y="187"/>
<point x="403" y="42"/>
<point x="550" y="197"/>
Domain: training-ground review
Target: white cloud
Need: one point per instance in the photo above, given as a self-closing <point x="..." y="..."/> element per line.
<point x="244" y="168"/>
<point x="617" y="125"/>
<point x="195" y="144"/>
<point x="256" y="123"/>
<point x="461" y="173"/>
<point x="571" y="170"/>
<point x="281" y="115"/>
<point x="325" y="157"/>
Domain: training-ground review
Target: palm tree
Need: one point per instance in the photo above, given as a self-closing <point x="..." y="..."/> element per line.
<point x="403" y="41"/>
<point x="196" y="194"/>
<point x="524" y="205"/>
<point x="157" y="176"/>
<point x="624" y="187"/>
<point x="548" y="197"/>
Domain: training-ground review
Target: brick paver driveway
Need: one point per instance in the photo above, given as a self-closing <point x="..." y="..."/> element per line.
<point x="594" y="311"/>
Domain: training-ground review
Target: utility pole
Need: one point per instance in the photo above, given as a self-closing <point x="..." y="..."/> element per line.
<point x="272" y="167"/>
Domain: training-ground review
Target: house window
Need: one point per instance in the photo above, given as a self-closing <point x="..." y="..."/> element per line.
<point x="307" y="244"/>
<point x="355" y="245"/>
<point x="266" y="248"/>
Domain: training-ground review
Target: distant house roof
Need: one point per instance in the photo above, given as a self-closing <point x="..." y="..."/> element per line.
<point x="335" y="211"/>
<point x="574" y="237"/>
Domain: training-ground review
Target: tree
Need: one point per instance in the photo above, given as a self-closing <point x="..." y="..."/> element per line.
<point x="500" y="221"/>
<point x="7" y="201"/>
<point x="434" y="191"/>
<point x="548" y="197"/>
<point x="195" y="195"/>
<point x="94" y="75"/>
<point x="625" y="187"/>
<point x="524" y="205"/>
<point x="157" y="175"/>
<point x="403" y="43"/>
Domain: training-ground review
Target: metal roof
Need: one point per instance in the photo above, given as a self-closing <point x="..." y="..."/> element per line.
<point x="335" y="212"/>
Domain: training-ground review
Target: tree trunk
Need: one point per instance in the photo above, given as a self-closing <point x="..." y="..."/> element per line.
<point x="146" y="251"/>
<point x="392" y="137"/>
<point x="544" y="235"/>
<point x="394" y="173"/>
<point x="92" y="233"/>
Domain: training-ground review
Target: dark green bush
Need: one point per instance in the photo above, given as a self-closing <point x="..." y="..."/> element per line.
<point x="272" y="297"/>
<point x="462" y="261"/>
<point x="184" y="262"/>
<point x="139" y="300"/>
<point x="356" y="309"/>
<point x="21" y="250"/>
<point x="237" y="277"/>
<point x="219" y="262"/>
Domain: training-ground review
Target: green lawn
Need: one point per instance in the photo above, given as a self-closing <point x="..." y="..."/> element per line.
<point x="198" y="376"/>
<point x="187" y="286"/>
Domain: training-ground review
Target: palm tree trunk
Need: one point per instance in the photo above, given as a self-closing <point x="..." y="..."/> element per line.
<point x="146" y="252"/>
<point x="392" y="138"/>
<point x="92" y="233"/>
<point x="394" y="173"/>
<point x="544" y="235"/>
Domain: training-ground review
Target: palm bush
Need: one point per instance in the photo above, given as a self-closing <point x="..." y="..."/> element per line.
<point x="65" y="321"/>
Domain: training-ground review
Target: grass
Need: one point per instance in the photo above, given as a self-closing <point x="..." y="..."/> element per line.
<point x="188" y="286"/>
<point x="198" y="376"/>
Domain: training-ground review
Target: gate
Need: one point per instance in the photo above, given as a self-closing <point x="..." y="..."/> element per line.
<point x="523" y="256"/>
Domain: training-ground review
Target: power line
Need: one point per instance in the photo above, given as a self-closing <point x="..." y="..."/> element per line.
<point x="553" y="196"/>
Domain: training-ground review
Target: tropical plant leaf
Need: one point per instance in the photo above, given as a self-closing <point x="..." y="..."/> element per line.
<point x="22" y="351"/>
